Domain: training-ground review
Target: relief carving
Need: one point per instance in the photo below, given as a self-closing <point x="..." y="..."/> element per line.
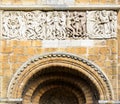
<point x="60" y="25"/>
<point x="35" y="25"/>
<point x="13" y="25"/>
<point x="76" y="25"/>
<point x="41" y="25"/>
<point x="56" y="25"/>
<point x="101" y="24"/>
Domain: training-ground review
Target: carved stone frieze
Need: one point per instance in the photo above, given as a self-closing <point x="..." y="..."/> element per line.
<point x="43" y="25"/>
<point x="60" y="25"/>
<point x="56" y="25"/>
<point x="76" y="25"/>
<point x="13" y="25"/>
<point x="101" y="24"/>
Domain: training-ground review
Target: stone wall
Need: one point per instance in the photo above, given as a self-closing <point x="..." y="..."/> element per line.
<point x="119" y="54"/>
<point x="103" y="52"/>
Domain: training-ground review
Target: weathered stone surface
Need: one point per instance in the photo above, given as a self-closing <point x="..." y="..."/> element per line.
<point x="44" y="25"/>
<point x="59" y="25"/>
<point x="101" y="24"/>
<point x="21" y="29"/>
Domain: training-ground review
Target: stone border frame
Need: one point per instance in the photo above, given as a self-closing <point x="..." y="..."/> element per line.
<point x="98" y="77"/>
<point x="61" y="7"/>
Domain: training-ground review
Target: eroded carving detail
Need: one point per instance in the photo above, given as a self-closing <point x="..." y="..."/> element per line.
<point x="56" y="25"/>
<point x="101" y="24"/>
<point x="35" y="25"/>
<point x="43" y="25"/>
<point x="59" y="25"/>
<point x="13" y="25"/>
<point x="76" y="25"/>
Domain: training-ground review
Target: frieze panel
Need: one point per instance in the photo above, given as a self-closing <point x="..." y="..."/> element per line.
<point x="101" y="24"/>
<point x="13" y="25"/>
<point x="76" y="25"/>
<point x="35" y="25"/>
<point x="60" y="25"/>
<point x="56" y="25"/>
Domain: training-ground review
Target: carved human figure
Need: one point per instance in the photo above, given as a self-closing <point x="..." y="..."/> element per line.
<point x="35" y="24"/>
<point x="101" y="24"/>
<point x="59" y="25"/>
<point x="56" y="23"/>
<point x="13" y="26"/>
<point x="76" y="25"/>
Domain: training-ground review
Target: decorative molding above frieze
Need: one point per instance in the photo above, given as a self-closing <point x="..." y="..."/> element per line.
<point x="59" y="25"/>
<point x="67" y="6"/>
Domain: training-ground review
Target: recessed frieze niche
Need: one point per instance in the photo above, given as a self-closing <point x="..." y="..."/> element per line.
<point x="60" y="25"/>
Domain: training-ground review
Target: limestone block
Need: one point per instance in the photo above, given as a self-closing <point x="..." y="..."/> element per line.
<point x="30" y="51"/>
<point x="94" y="1"/>
<point x="69" y="1"/>
<point x="29" y="1"/>
<point x="36" y="43"/>
<point x="7" y="1"/>
<point x="4" y="58"/>
<point x="102" y="1"/>
<point x="51" y="1"/>
<point x="18" y="51"/>
<point x="104" y="50"/>
<point x="13" y="58"/>
<point x="82" y="1"/>
<point x="54" y="2"/>
<point x="7" y="50"/>
<point x="22" y="58"/>
<point x="42" y="1"/>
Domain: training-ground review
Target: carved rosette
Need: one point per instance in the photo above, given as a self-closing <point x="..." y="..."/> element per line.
<point x="60" y="25"/>
<point x="101" y="24"/>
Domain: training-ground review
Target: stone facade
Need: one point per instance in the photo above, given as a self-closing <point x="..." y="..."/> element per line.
<point x="83" y="44"/>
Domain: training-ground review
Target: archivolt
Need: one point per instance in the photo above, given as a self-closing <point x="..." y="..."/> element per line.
<point x="37" y="63"/>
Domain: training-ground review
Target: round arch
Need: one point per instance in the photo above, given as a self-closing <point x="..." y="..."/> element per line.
<point x="87" y="69"/>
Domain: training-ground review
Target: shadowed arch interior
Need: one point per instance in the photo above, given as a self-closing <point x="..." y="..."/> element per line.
<point x="57" y="77"/>
<point x="60" y="70"/>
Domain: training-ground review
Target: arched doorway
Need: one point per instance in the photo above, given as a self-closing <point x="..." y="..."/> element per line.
<point x="58" y="96"/>
<point x="60" y="78"/>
